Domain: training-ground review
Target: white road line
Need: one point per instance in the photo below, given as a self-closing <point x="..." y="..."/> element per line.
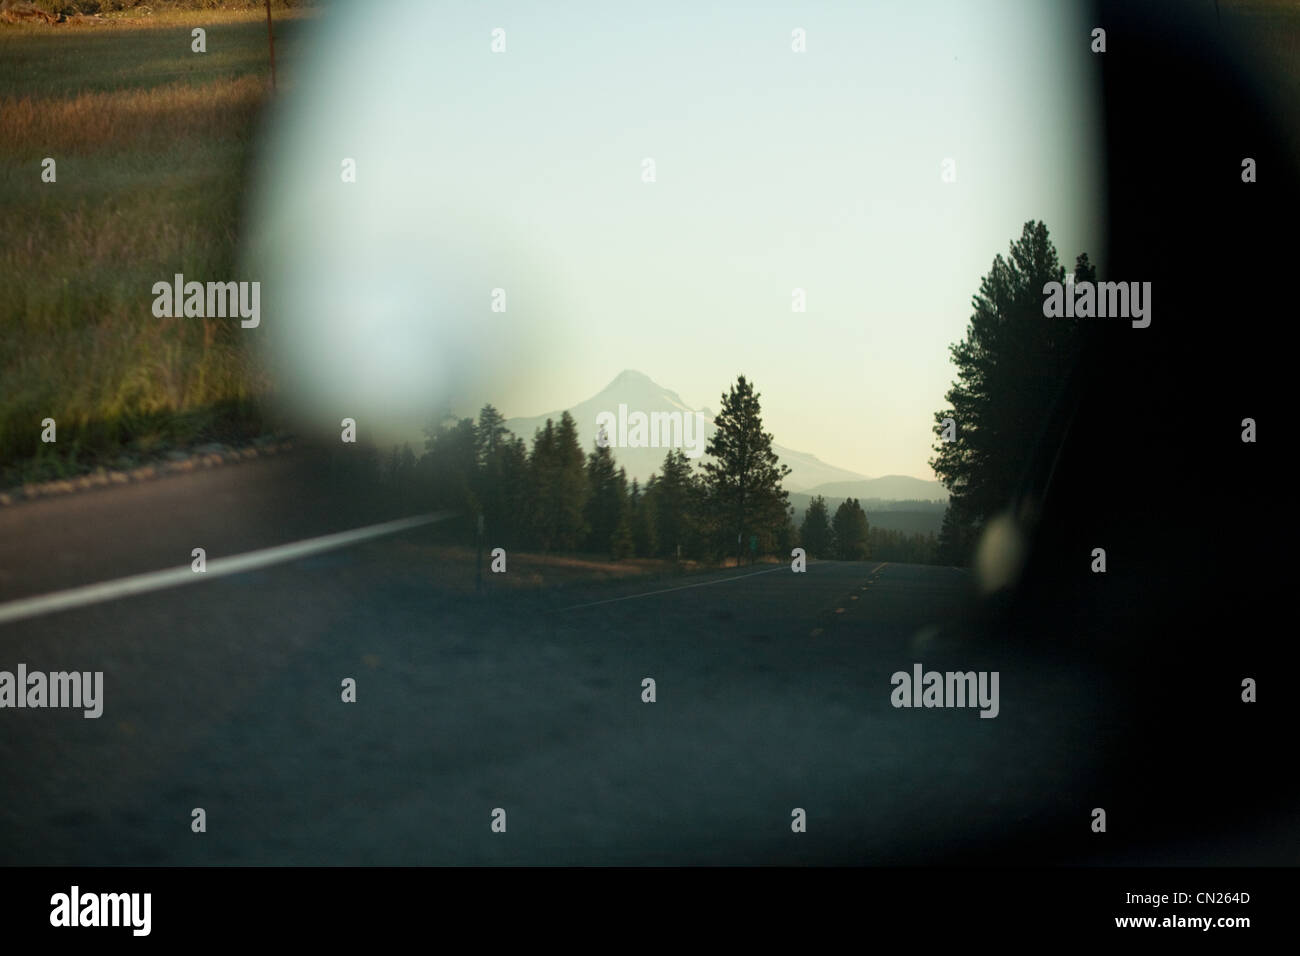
<point x="683" y="587"/>
<point x="217" y="567"/>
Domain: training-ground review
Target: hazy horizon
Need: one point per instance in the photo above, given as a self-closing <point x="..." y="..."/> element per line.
<point x="713" y="407"/>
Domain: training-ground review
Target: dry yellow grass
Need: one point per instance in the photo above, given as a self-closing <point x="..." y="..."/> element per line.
<point x="162" y="19"/>
<point x="105" y="121"/>
<point x="134" y="19"/>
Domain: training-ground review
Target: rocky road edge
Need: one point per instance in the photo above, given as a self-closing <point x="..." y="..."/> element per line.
<point x="174" y="462"/>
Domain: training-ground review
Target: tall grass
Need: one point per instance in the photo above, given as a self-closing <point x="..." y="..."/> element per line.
<point x="152" y="144"/>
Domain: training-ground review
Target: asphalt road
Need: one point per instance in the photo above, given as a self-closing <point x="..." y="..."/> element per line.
<point x="773" y="693"/>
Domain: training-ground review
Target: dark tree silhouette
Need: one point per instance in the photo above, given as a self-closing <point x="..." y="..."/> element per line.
<point x="1011" y="371"/>
<point x="815" y="532"/>
<point x="500" y="480"/>
<point x="640" y="524"/>
<point x="743" y="477"/>
<point x="558" y="485"/>
<point x="850" y="531"/>
<point x="673" y="504"/>
<point x="450" y="465"/>
<point x="607" y="503"/>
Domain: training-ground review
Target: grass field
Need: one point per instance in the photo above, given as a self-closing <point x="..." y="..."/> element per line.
<point x="151" y="143"/>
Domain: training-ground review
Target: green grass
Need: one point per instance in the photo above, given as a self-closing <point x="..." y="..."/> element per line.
<point x="152" y="144"/>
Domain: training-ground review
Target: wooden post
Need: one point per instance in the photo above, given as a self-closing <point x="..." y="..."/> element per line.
<point x="270" y="38"/>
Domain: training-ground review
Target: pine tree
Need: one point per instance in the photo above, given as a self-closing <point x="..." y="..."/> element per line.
<point x="815" y="531"/>
<point x="622" y="543"/>
<point x="851" y="531"/>
<point x="1011" y="370"/>
<point x="606" y="503"/>
<point x="743" y="476"/>
<point x="492" y="487"/>
<point x="558" y="486"/>
<point x="642" y="528"/>
<point x="673" y="504"/>
<point x="573" y="489"/>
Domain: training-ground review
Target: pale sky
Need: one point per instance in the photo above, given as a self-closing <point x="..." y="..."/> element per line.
<point x="774" y="170"/>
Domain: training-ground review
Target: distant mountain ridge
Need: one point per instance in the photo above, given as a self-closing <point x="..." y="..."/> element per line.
<point x="641" y="394"/>
<point x="887" y="488"/>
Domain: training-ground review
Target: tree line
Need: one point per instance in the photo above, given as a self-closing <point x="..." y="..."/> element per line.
<point x="849" y="536"/>
<point x="554" y="497"/>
